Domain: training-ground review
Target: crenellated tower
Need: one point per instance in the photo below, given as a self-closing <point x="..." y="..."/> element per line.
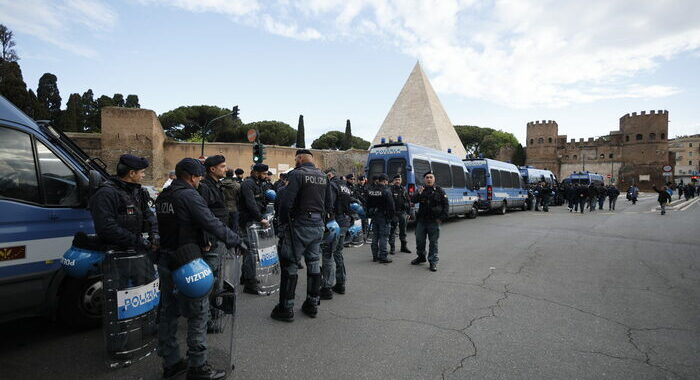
<point x="541" y="144"/>
<point x="644" y="145"/>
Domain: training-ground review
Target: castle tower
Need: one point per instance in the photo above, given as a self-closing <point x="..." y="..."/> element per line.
<point x="644" y="140"/>
<point x="418" y="117"/>
<point x="541" y="145"/>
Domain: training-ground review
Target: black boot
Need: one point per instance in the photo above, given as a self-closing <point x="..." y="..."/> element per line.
<point x="205" y="372"/>
<point x="326" y="294"/>
<point x="339" y="288"/>
<point x="404" y="247"/>
<point x="385" y="260"/>
<point x="418" y="260"/>
<point x="433" y="267"/>
<point x="391" y="250"/>
<point x="288" y="285"/>
<point x="280" y="313"/>
<point x="175" y="369"/>
<point x="309" y="308"/>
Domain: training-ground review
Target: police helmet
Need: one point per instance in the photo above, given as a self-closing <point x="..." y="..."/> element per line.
<point x="332" y="229"/>
<point x="194" y="279"/>
<point x="271" y="195"/>
<point x="355" y="231"/>
<point x="357" y="208"/>
<point x="81" y="263"/>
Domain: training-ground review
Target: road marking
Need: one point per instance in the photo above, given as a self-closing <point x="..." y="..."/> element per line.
<point x="690" y="204"/>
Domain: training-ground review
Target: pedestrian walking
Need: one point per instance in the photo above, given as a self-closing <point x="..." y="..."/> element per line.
<point x="602" y="193"/>
<point x="613" y="193"/>
<point x="433" y="206"/>
<point x="632" y="194"/>
<point x="663" y="199"/>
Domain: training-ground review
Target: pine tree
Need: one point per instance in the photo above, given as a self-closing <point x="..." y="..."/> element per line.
<point x="7" y="41"/>
<point x="72" y="117"/>
<point x="300" y="133"/>
<point x="49" y="97"/>
<point x="347" y="139"/>
<point x="33" y="105"/>
<point x="90" y="113"/>
<point x="12" y="85"/>
<point x="132" y="101"/>
<point x="118" y="100"/>
<point x="519" y="156"/>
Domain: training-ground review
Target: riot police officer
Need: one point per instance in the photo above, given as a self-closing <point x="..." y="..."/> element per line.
<point x="120" y="209"/>
<point x="188" y="226"/>
<point x="301" y="216"/>
<point x="402" y="206"/>
<point x="333" y="265"/>
<point x="250" y="210"/>
<point x="210" y="188"/>
<point x="432" y="210"/>
<point x="232" y="190"/>
<point x="380" y="207"/>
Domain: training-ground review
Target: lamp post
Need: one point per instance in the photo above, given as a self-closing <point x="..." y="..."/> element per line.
<point x="234" y="113"/>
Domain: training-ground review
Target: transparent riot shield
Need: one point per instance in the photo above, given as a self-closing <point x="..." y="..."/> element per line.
<point x="263" y="245"/>
<point x="225" y="295"/>
<point x="131" y="297"/>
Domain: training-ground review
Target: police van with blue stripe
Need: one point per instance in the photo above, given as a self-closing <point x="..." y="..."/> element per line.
<point x="411" y="161"/>
<point x="584" y="178"/>
<point x="45" y="181"/>
<point x="533" y="176"/>
<point x="498" y="183"/>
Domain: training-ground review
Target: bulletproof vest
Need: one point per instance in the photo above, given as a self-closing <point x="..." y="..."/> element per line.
<point x="312" y="192"/>
<point x="375" y="197"/>
<point x="218" y="204"/>
<point x="399" y="198"/>
<point x="431" y="202"/>
<point x="343" y="198"/>
<point x="173" y="233"/>
<point x="130" y="208"/>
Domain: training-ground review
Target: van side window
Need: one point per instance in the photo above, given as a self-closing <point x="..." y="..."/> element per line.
<point x="495" y="178"/>
<point x="516" y="180"/>
<point x="58" y="181"/>
<point x="443" y="176"/>
<point x="17" y="170"/>
<point x="397" y="166"/>
<point x="376" y="167"/>
<point x="505" y="179"/>
<point x="479" y="177"/>
<point x="458" y="177"/>
<point x="420" y="167"/>
<point x="468" y="180"/>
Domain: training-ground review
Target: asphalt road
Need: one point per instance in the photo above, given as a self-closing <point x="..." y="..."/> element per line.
<point x="526" y="295"/>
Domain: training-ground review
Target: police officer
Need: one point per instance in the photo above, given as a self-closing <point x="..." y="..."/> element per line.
<point x="545" y="196"/>
<point x="239" y="175"/>
<point x="360" y="191"/>
<point x="120" y="209"/>
<point x="333" y="264"/>
<point x="250" y="208"/>
<point x="211" y="190"/>
<point x="380" y="207"/>
<point x="232" y="191"/>
<point x="402" y="205"/>
<point x="186" y="221"/>
<point x="301" y="211"/>
<point x="432" y="210"/>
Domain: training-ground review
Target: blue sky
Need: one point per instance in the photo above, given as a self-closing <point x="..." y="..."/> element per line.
<point x="498" y="63"/>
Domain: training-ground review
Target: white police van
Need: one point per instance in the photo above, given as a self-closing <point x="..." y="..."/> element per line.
<point x="498" y="183"/>
<point x="45" y="181"/>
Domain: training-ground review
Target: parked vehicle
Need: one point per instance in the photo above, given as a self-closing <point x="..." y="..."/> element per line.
<point x="498" y="183"/>
<point x="584" y="178"/>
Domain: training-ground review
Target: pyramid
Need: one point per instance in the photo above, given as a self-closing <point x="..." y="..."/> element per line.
<point x="418" y="117"/>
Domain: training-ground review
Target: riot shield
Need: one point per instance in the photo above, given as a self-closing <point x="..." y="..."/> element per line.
<point x="225" y="295"/>
<point x="263" y="247"/>
<point x="131" y="296"/>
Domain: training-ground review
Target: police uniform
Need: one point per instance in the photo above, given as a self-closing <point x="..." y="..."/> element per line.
<point x="333" y="264"/>
<point x="402" y="205"/>
<point x="433" y="206"/>
<point x="251" y="206"/>
<point x="232" y="191"/>
<point x="301" y="217"/>
<point x="186" y="220"/>
<point x="380" y="207"/>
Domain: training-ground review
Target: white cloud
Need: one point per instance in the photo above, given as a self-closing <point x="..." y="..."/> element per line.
<point x="52" y="21"/>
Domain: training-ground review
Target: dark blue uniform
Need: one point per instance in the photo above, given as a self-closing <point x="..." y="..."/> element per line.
<point x="185" y="219"/>
<point x="433" y="206"/>
<point x="251" y="206"/>
<point x="380" y="207"/>
<point x="340" y="198"/>
<point x="402" y="205"/>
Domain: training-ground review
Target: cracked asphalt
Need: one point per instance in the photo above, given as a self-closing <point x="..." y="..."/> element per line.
<point x="526" y="295"/>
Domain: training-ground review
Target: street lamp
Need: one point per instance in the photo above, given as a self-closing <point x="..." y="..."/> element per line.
<point x="233" y="113"/>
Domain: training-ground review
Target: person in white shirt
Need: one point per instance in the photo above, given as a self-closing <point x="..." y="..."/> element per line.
<point x="171" y="177"/>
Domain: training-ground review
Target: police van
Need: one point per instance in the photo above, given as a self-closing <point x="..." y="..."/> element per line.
<point x="411" y="161"/>
<point x="584" y="178"/>
<point x="498" y="183"/>
<point x="45" y="181"/>
<point x="533" y="176"/>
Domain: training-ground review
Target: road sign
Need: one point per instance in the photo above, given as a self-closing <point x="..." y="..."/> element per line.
<point x="667" y="168"/>
<point x="667" y="174"/>
<point x="609" y="176"/>
<point x="252" y="135"/>
<point x="201" y="159"/>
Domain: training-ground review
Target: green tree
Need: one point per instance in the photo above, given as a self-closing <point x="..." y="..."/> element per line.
<point x="347" y="139"/>
<point x="300" y="143"/>
<point x="519" y="156"/>
<point x="486" y="141"/>
<point x="185" y="122"/>
<point x="104" y="101"/>
<point x="90" y="113"/>
<point x="12" y="85"/>
<point x="334" y="140"/>
<point x="118" y="100"/>
<point x="7" y="41"/>
<point x="33" y="106"/>
<point x="272" y="132"/>
<point x="49" y="96"/>
<point x="72" y="117"/>
<point x="132" y="101"/>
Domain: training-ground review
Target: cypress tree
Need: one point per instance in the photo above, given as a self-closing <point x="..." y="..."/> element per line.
<point x="300" y="133"/>
<point x="72" y="117"/>
<point x="90" y="113"/>
<point x="347" y="139"/>
<point x="48" y="95"/>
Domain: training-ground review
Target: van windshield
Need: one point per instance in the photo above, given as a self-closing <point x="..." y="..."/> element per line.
<point x="376" y="167"/>
<point x="479" y="177"/>
<point x="397" y="166"/>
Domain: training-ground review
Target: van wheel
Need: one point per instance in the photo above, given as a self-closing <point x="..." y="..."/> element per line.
<point x="503" y="209"/>
<point x="80" y="303"/>
<point x="473" y="213"/>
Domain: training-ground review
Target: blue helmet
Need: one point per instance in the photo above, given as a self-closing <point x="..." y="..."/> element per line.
<point x="270" y="195"/>
<point x="333" y="230"/>
<point x="80" y="263"/>
<point x="194" y="279"/>
<point x="355" y="231"/>
<point x="357" y="209"/>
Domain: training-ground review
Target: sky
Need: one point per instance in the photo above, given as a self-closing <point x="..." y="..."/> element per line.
<point x="495" y="63"/>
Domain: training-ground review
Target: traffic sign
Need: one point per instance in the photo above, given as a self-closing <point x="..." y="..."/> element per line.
<point x="252" y="135"/>
<point x="667" y="168"/>
<point x="609" y="176"/>
<point x="667" y="174"/>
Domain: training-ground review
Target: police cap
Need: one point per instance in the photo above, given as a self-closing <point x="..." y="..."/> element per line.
<point x="397" y="176"/>
<point x="382" y="177"/>
<point x="260" y="168"/>
<point x="303" y="151"/>
<point x="349" y="176"/>
<point x="133" y="162"/>
<point x="214" y="160"/>
<point x="426" y="173"/>
<point x="329" y="170"/>
<point x="191" y="166"/>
